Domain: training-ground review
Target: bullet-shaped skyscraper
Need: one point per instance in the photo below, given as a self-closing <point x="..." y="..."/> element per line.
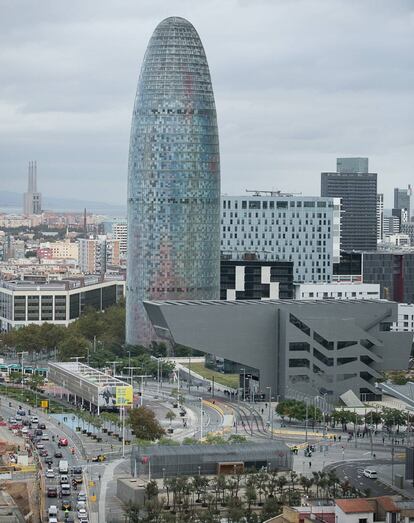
<point x="173" y="178"/>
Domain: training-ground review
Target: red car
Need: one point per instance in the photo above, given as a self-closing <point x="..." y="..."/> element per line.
<point x="18" y="426"/>
<point x="63" y="442"/>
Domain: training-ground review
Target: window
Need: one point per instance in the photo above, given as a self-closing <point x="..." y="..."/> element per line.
<point x="298" y="362"/>
<point x="344" y="344"/>
<point x="294" y="346"/>
<point x="299" y="324"/>
<point x="322" y="341"/>
<point x="362" y="520"/>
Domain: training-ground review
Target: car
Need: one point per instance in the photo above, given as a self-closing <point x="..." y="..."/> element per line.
<point x="82" y="514"/>
<point x="40" y="445"/>
<point x="52" y="519"/>
<point x="44" y="453"/>
<point x="21" y="412"/>
<point x="77" y="470"/>
<point x="34" y="419"/>
<point x="64" y="479"/>
<point x="51" y="492"/>
<point x="42" y="426"/>
<point x="25" y="430"/>
<point x="38" y="432"/>
<point x="49" y="461"/>
<point x="12" y="421"/>
<point x="18" y="418"/>
<point x="58" y="454"/>
<point x="53" y="511"/>
<point x="63" y="442"/>
<point x="82" y="496"/>
<point x="50" y="473"/>
<point x="65" y="489"/>
<point x="370" y="473"/>
<point x="80" y="504"/>
<point x="45" y="436"/>
<point x="66" y="505"/>
<point x="99" y="458"/>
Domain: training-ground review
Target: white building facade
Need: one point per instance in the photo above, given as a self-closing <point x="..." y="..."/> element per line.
<point x="304" y="230"/>
<point x="337" y="291"/>
<point x="120" y="232"/>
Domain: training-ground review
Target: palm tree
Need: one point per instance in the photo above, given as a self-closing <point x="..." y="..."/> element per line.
<point x="306" y="484"/>
<point x="281" y="483"/>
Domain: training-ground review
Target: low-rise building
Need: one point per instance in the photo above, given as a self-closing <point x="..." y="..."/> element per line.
<point x="58" y="302"/>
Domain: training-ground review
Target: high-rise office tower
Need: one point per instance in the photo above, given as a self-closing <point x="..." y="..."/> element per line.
<point x="32" y="200"/>
<point x="402" y="200"/>
<point x="380" y="217"/>
<point x="358" y="193"/>
<point x="173" y="178"/>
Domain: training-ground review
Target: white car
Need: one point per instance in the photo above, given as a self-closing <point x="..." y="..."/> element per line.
<point x="50" y="473"/>
<point x="82" y="514"/>
<point x="45" y="437"/>
<point x="82" y="496"/>
<point x="370" y="473"/>
<point x="25" y="430"/>
<point x="40" y="446"/>
<point x="34" y="419"/>
<point x="80" y="504"/>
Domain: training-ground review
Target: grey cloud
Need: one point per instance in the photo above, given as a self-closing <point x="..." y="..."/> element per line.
<point x="297" y="83"/>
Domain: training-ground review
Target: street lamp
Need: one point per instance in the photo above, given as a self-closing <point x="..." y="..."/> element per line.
<point x="270" y="411"/>
<point x="201" y="418"/>
<point x="244" y="383"/>
<point x="23" y="353"/>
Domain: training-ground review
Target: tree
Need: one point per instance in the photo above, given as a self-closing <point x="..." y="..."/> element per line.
<point x="72" y="346"/>
<point x="170" y="416"/>
<point x="143" y="422"/>
<point x="271" y="508"/>
<point x="393" y="417"/>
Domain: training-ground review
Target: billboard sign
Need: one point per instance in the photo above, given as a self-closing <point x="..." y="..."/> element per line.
<point x="124" y="396"/>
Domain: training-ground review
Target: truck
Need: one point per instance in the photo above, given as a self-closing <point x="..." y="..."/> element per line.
<point x="63" y="467"/>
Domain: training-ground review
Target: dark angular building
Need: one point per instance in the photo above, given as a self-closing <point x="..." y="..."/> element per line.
<point x="393" y="270"/>
<point x="358" y="193"/>
<point x="173" y="178"/>
<point x="256" y="280"/>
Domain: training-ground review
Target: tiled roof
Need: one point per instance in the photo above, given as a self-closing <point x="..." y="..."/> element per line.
<point x="387" y="504"/>
<point x="351" y="506"/>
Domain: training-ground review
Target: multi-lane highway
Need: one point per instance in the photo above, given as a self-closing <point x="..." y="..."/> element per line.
<point x="45" y="441"/>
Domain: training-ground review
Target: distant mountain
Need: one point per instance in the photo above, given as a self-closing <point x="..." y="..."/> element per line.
<point x="13" y="201"/>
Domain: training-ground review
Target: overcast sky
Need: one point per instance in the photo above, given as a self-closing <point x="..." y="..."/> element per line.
<point x="297" y="83"/>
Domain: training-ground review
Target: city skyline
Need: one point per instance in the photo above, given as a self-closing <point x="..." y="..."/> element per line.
<point x="294" y="98"/>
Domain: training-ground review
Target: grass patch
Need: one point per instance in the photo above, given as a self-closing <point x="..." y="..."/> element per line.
<point x="228" y="380"/>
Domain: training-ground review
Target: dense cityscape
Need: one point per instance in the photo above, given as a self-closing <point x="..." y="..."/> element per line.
<point x="201" y="356"/>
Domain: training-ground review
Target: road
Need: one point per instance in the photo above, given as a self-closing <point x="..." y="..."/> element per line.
<point x="353" y="472"/>
<point x="74" y="460"/>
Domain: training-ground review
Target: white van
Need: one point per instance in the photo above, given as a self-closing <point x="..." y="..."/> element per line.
<point x="370" y="473"/>
<point x="63" y="467"/>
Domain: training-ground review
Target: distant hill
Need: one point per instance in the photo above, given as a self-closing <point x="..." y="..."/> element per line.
<point x="13" y="201"/>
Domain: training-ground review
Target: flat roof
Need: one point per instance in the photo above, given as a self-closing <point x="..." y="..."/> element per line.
<point x="87" y="374"/>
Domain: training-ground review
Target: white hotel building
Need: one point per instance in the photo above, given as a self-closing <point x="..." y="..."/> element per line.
<point x="302" y="229"/>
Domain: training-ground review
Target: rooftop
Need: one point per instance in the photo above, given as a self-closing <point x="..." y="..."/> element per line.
<point x="87" y="374"/>
<point x="354" y="506"/>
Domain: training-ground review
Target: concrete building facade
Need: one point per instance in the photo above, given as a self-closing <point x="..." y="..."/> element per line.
<point x="302" y="230"/>
<point x="324" y="347"/>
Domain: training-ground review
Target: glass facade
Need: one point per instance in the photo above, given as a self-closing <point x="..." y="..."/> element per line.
<point x="173" y="178"/>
